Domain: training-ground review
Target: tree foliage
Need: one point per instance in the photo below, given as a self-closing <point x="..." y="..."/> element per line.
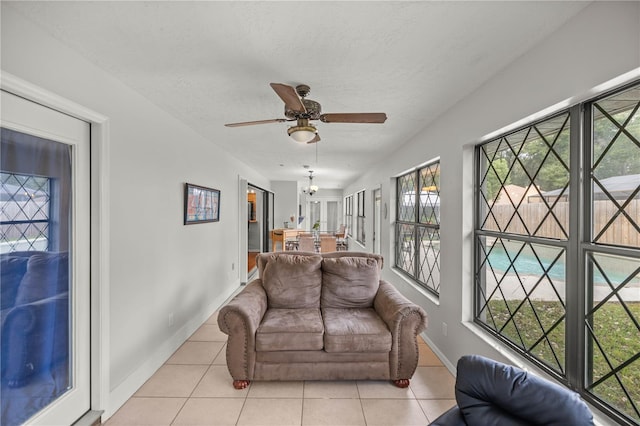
<point x="539" y="155"/>
<point x="616" y="153"/>
<point x="496" y="177"/>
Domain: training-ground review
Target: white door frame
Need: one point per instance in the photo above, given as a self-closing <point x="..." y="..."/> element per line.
<point x="323" y="200"/>
<point x="99" y="226"/>
<point x="243" y="231"/>
<point x="376" y="196"/>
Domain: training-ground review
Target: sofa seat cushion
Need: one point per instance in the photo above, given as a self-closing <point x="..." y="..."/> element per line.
<point x="349" y="282"/>
<point x="355" y="330"/>
<point x="290" y="330"/>
<point x="292" y="280"/>
<point x="314" y="357"/>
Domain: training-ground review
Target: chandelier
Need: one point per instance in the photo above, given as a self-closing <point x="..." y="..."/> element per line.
<point x="311" y="189"/>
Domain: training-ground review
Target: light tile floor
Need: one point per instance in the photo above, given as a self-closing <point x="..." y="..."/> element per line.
<point x="194" y="388"/>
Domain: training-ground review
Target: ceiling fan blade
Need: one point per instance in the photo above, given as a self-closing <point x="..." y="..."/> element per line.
<point x="289" y="96"/>
<point x="251" y="123"/>
<point x="315" y="139"/>
<point x="357" y="117"/>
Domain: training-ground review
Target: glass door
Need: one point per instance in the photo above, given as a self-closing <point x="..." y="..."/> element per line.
<point x="44" y="255"/>
<point x="324" y="212"/>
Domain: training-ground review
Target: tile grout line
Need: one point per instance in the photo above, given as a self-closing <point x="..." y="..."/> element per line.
<point x="364" y="416"/>
<point x="192" y="390"/>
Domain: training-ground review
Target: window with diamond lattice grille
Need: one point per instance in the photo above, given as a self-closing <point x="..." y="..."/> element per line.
<point x="25" y="203"/>
<point x="348" y="208"/>
<point x="417" y="229"/>
<point x="360" y="235"/>
<point x="557" y="247"/>
<point x="612" y="255"/>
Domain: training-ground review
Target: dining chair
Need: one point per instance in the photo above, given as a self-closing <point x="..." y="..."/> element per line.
<point x="306" y="244"/>
<point x="328" y="244"/>
<point x="342" y="243"/>
<point x="277" y="236"/>
<point x="291" y="239"/>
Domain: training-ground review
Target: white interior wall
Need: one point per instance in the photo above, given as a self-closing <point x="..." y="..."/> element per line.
<point x="599" y="44"/>
<point x="158" y="268"/>
<point x="286" y="203"/>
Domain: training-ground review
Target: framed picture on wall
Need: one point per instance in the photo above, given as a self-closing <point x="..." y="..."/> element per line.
<point x="201" y="204"/>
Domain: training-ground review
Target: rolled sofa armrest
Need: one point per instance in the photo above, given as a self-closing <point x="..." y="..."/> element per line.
<point x="239" y="319"/>
<point x="405" y="320"/>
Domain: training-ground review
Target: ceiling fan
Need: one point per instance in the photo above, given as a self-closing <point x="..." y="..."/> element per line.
<point x="301" y="110"/>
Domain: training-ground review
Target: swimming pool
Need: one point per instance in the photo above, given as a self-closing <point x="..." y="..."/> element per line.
<point x="616" y="269"/>
<point x="526" y="263"/>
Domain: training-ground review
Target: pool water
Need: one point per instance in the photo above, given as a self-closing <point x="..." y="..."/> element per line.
<point x="527" y="264"/>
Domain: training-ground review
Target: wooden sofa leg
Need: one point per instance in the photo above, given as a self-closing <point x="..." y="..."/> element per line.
<point x="241" y="384"/>
<point x="401" y="383"/>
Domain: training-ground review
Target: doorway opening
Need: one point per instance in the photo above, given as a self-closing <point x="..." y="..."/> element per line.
<point x="259" y="224"/>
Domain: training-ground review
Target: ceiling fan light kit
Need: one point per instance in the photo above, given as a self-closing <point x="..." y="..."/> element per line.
<point x="303" y="132"/>
<point x="298" y="108"/>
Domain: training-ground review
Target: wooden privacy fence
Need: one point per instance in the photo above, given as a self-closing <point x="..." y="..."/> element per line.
<point x="535" y="219"/>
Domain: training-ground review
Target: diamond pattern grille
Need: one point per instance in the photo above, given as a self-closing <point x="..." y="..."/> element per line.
<point x="24" y="212"/>
<point x="613" y="327"/>
<point x="524" y="181"/>
<point x="522" y="298"/>
<point x="430" y="194"/>
<point x="418" y="226"/>
<point x="407" y="197"/>
<point x="405" y="248"/>
<point x="522" y="245"/>
<point x="615" y="170"/>
<point x="429" y="258"/>
<point x="612" y="319"/>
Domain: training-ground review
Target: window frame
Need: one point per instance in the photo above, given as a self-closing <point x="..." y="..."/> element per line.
<point x="348" y="208"/>
<point x="418" y="227"/>
<point x="578" y="356"/>
<point x="50" y="237"/>
<point x="360" y="218"/>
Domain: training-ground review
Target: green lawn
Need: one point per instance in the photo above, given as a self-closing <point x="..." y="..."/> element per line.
<point x="614" y="330"/>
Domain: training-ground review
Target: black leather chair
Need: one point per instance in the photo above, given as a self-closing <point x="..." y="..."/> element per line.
<point x="492" y="393"/>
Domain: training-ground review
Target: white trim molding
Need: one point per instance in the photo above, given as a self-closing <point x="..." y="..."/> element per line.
<point x="99" y="225"/>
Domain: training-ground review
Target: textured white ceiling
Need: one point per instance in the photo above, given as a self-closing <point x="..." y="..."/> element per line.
<point x="210" y="63"/>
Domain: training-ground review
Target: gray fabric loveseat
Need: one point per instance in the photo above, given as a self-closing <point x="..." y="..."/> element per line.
<point x="321" y="317"/>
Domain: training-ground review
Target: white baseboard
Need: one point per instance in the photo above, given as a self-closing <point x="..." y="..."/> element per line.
<point x="445" y="361"/>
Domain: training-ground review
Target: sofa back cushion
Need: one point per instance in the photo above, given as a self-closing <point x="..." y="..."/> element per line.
<point x="291" y="280"/>
<point x="337" y="254"/>
<point x="47" y="275"/>
<point x="11" y="271"/>
<point x="349" y="282"/>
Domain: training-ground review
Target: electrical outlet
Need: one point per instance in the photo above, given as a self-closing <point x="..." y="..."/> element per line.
<point x="444" y="328"/>
<point x="233" y="266"/>
<point x="171" y="319"/>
